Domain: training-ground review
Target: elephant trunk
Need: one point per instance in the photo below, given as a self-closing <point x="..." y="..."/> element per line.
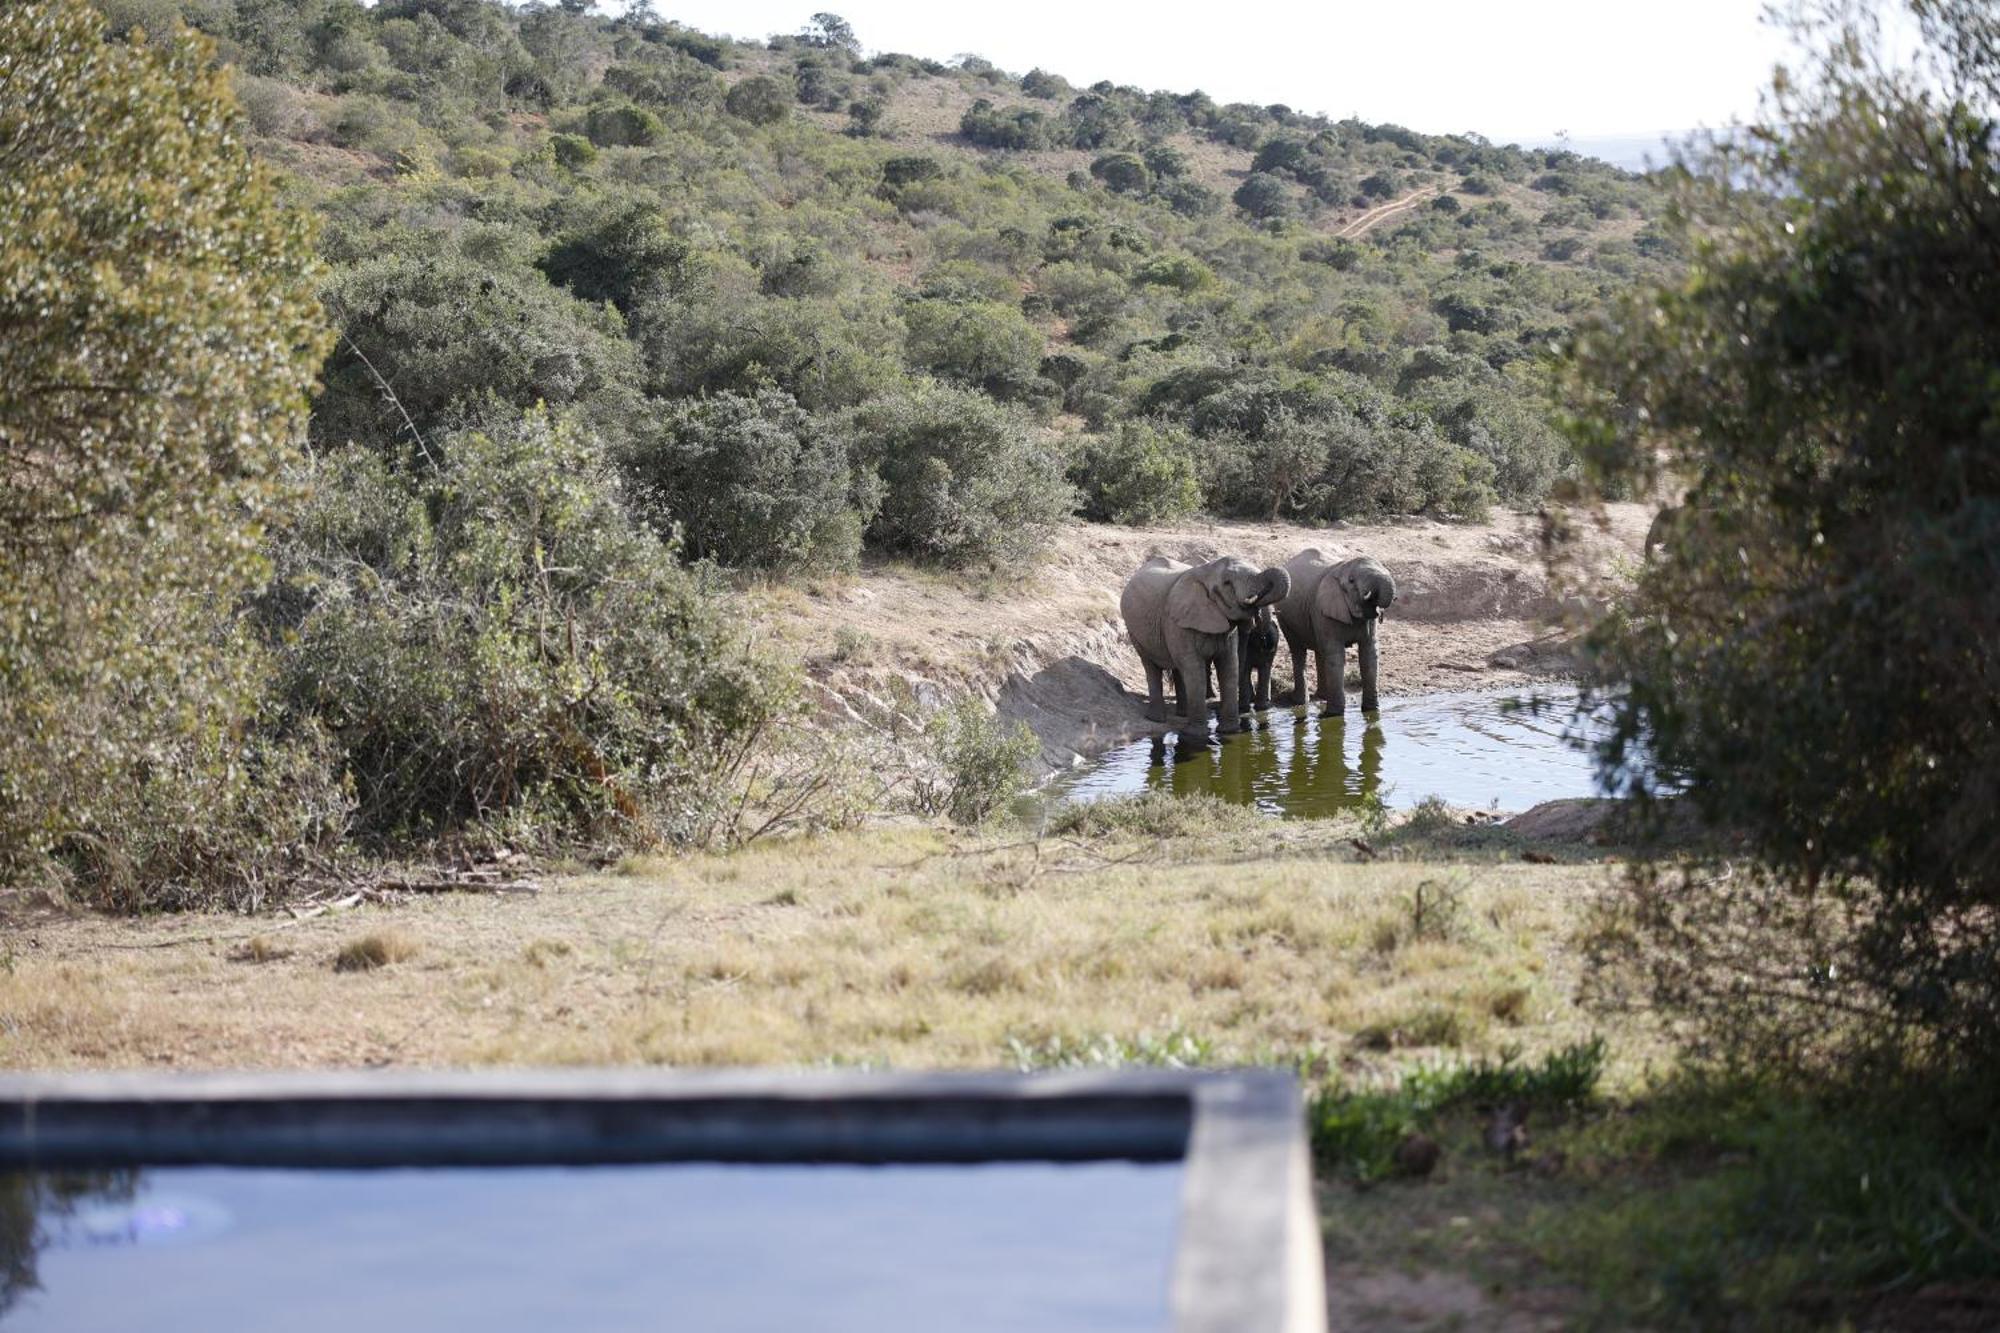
<point x="1274" y="586"/>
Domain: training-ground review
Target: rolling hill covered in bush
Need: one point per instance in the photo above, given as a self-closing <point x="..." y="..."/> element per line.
<point x="811" y="300"/>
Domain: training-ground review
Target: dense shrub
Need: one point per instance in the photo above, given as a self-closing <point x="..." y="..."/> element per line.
<point x="1138" y="474"/>
<point x="158" y="337"/>
<point x="994" y="127"/>
<point x="1263" y="196"/>
<point x="622" y="125"/>
<point x="494" y="639"/>
<point x="964" y="480"/>
<point x="753" y="480"/>
<point x="1814" y="652"/>
<point x="445" y="333"/>
<point x="1126" y="173"/>
<point x="620" y="256"/>
<point x="984" y="762"/>
<point x="760" y="100"/>
<point x="975" y="342"/>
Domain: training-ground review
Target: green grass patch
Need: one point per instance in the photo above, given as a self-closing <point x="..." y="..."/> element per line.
<point x="1748" y="1204"/>
<point x="1355" y="1130"/>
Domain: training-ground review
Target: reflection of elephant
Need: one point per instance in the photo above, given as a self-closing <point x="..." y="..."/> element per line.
<point x="1330" y="606"/>
<point x="1184" y="619"/>
<point x="1257" y="645"/>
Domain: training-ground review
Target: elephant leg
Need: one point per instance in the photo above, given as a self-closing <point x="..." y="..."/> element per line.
<point x="1332" y="670"/>
<point x="1262" y="694"/>
<point x="1180" y="692"/>
<point x="1227" y="680"/>
<point x="1369" y="703"/>
<point x="1299" y="674"/>
<point x="1240" y="650"/>
<point x="1156" y="704"/>
<point x="1194" y="707"/>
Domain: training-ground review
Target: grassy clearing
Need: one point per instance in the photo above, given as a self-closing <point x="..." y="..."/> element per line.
<point x="905" y="946"/>
<point x="1418" y="999"/>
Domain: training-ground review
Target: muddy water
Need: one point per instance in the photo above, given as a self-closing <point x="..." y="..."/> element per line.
<point x="1482" y="750"/>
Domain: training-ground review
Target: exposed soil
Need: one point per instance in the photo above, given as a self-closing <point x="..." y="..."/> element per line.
<point x="1474" y="609"/>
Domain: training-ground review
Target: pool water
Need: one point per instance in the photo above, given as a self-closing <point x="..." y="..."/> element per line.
<point x="1476" y="749"/>
<point x="1006" y="1246"/>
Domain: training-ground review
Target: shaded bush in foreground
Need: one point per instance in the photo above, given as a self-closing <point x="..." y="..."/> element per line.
<point x="496" y="640"/>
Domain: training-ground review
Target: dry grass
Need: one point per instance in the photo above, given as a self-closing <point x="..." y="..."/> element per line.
<point x="904" y="947"/>
<point x="377" y="949"/>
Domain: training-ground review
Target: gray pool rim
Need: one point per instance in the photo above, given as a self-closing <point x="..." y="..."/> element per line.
<point x="1246" y="1257"/>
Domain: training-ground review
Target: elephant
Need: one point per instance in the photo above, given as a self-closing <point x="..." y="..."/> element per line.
<point x="1257" y="650"/>
<point x="1183" y="619"/>
<point x="1330" y="606"/>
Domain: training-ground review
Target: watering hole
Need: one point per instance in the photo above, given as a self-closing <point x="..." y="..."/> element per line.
<point x="1015" y="1245"/>
<point x="1502" y="750"/>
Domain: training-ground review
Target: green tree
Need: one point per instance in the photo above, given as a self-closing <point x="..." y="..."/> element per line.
<point x="1814" y="650"/>
<point x="1139" y="473"/>
<point x="1126" y="173"/>
<point x="754" y="480"/>
<point x="158" y="337"/>
<point x="831" y="30"/>
<point x="964" y="479"/>
<point x="759" y="99"/>
<point x="1262" y="195"/>
<point x="496" y="640"/>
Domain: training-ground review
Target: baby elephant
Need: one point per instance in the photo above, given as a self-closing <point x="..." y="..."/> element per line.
<point x="1257" y="649"/>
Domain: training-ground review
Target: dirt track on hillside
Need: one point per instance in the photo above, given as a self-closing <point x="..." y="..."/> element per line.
<point x="1474" y="609"/>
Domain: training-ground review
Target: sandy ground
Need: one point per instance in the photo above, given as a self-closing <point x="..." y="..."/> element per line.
<point x="1474" y="609"/>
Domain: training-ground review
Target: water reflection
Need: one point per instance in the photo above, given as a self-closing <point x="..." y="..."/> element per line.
<point x="1472" y="749"/>
<point x="1317" y="768"/>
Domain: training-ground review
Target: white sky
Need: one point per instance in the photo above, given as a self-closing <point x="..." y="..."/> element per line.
<point x="1508" y="69"/>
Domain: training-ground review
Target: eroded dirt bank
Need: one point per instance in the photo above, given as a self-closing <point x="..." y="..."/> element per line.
<point x="1474" y="609"/>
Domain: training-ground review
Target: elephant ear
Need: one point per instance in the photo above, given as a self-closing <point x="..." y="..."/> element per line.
<point x="1191" y="607"/>
<point x="1334" y="599"/>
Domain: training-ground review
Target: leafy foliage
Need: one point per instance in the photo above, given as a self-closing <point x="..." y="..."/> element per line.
<point x="963" y="479"/>
<point x="1138" y="474"/>
<point x="1812" y="654"/>
<point x="157" y="340"/>
<point x="494" y="639"/>
<point x="754" y="480"/>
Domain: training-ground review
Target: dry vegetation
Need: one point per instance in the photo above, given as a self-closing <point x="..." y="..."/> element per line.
<point x="901" y="946"/>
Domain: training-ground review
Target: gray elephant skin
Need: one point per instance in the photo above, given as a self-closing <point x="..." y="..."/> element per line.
<point x="1257" y="644"/>
<point x="1331" y="605"/>
<point x="1185" y="619"/>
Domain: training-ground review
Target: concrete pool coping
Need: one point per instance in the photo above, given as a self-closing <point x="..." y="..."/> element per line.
<point x="1247" y="1255"/>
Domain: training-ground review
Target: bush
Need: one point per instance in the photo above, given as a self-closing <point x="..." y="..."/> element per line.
<point x="447" y="333"/>
<point x="909" y="170"/>
<point x="622" y="125"/>
<point x="1040" y="83"/>
<point x="1263" y="196"/>
<point x="978" y="343"/>
<point x="495" y="640"/>
<point x="992" y="127"/>
<point x="964" y="480"/>
<point x="759" y="99"/>
<point x="1814" y="654"/>
<point x="984" y="762"/>
<point x="754" y="481"/>
<point x="158" y="337"/>
<point x="621" y="256"/>
<point x="1138" y="474"/>
<point x="1381" y="185"/>
<point x="1126" y="173"/>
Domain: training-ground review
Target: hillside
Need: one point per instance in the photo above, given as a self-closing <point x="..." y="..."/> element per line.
<point x="1172" y="304"/>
